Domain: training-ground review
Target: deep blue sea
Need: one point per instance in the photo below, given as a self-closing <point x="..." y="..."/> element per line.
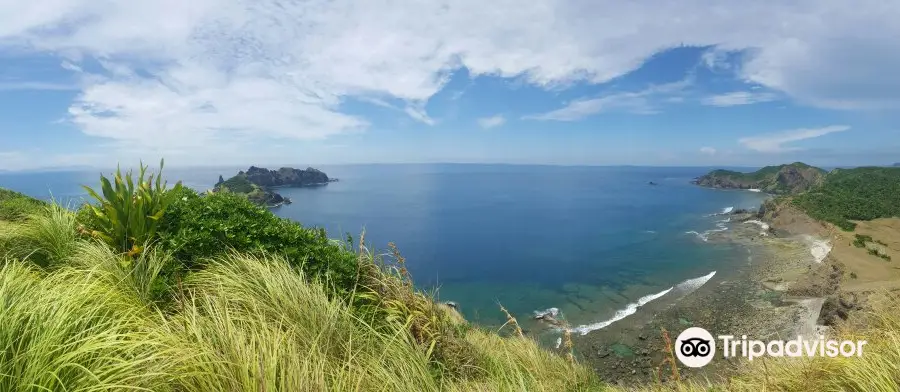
<point x="591" y="241"/>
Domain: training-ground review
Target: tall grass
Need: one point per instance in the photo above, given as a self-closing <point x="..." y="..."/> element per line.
<point x="68" y="331"/>
<point x="47" y="238"/>
<point x="259" y="325"/>
<point x="139" y="276"/>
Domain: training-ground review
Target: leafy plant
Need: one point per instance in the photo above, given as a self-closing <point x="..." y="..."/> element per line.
<point x="128" y="215"/>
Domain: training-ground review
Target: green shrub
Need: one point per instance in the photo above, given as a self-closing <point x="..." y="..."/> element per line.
<point x="128" y="216"/>
<point x="861" y="240"/>
<point x="198" y="227"/>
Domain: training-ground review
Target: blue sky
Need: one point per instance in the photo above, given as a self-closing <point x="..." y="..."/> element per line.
<point x="213" y="82"/>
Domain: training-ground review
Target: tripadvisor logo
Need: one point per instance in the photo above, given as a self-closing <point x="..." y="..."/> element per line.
<point x="695" y="347"/>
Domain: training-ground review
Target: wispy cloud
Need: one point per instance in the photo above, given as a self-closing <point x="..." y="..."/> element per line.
<point x="492" y="121"/>
<point x="775" y="142"/>
<point x="738" y="98"/>
<point x="708" y="150"/>
<point x="638" y="102"/>
<point x="418" y="113"/>
<point x="12" y="86"/>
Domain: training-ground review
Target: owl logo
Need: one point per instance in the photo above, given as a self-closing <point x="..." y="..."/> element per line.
<point x="695" y="347"/>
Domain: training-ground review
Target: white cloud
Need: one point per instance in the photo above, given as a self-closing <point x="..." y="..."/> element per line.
<point x="492" y="121"/>
<point x="639" y="102"/>
<point x="738" y="98"/>
<point x="775" y="142"/>
<point x="708" y="150"/>
<point x="205" y="69"/>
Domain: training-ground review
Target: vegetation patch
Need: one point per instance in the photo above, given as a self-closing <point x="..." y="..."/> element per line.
<point x="860" y="240"/>
<point x="15" y="206"/>
<point x="198" y="227"/>
<point x="854" y="194"/>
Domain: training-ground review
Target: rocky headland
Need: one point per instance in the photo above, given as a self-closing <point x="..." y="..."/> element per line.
<point x="257" y="183"/>
<point x="801" y="276"/>
<point x="783" y="179"/>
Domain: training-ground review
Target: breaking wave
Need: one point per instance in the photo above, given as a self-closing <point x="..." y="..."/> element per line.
<point x="685" y="287"/>
<point x="762" y="225"/>
<point x="704" y="236"/>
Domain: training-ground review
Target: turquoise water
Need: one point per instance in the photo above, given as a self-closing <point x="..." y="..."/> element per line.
<point x="588" y="240"/>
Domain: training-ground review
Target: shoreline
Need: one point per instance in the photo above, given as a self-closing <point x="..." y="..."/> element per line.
<point x="777" y="293"/>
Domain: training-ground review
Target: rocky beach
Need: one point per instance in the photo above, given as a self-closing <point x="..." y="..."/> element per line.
<point x="777" y="293"/>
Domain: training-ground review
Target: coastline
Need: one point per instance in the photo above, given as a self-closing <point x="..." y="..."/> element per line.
<point x="777" y="293"/>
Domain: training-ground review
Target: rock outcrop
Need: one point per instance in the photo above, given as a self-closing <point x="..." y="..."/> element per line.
<point x="286" y="176"/>
<point x="257" y="183"/>
<point x="784" y="179"/>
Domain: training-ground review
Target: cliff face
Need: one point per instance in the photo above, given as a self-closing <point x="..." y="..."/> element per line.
<point x="784" y="179"/>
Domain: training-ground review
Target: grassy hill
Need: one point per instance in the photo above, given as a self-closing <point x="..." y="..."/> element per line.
<point x="240" y="185"/>
<point x="864" y="193"/>
<point x="783" y="179"/>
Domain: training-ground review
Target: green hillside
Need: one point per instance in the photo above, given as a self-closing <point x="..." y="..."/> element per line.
<point x="863" y="193"/>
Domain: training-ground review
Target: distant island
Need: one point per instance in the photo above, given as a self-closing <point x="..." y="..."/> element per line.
<point x="257" y="183"/>
<point x="897" y="164"/>
<point x="783" y="179"/>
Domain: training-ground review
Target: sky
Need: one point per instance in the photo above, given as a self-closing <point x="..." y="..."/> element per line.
<point x="89" y="83"/>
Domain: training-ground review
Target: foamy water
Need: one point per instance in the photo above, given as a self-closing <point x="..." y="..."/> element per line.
<point x="686" y="286"/>
<point x="552" y="312"/>
<point x="720" y="226"/>
<point x="724" y="211"/>
<point x="754" y="190"/>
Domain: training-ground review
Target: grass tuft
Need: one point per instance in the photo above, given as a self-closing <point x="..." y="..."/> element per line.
<point x="47" y="238"/>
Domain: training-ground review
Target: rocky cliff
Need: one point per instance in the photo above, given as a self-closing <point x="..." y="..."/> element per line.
<point x="783" y="179"/>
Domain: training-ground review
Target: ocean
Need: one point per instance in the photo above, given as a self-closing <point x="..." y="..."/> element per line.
<point x="598" y="243"/>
